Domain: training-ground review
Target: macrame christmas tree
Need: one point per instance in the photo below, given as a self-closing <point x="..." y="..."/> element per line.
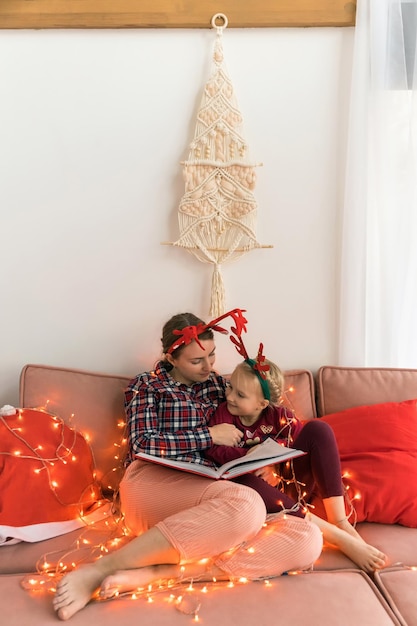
<point x="218" y="212"/>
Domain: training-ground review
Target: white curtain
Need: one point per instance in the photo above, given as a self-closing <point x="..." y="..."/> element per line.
<point x="378" y="299"/>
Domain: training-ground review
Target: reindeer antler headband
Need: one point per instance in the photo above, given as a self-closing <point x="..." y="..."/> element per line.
<point x="258" y="365"/>
<point x="191" y="333"/>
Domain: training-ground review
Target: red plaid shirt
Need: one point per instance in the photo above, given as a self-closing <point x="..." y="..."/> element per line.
<point x="168" y="418"/>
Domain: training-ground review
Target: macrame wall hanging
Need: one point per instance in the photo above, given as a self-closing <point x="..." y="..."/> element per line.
<point x="218" y="212"/>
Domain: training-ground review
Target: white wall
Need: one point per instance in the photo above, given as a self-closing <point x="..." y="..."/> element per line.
<point x="93" y="126"/>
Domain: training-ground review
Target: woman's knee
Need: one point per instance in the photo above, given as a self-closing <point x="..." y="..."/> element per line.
<point x="246" y="509"/>
<point x="283" y="544"/>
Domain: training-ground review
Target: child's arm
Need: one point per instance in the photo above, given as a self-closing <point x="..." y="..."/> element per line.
<point x="222" y="454"/>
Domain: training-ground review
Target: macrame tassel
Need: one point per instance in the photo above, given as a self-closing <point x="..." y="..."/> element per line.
<point x="217" y="305"/>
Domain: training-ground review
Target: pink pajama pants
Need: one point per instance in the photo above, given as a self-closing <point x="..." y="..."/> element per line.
<point x="217" y="519"/>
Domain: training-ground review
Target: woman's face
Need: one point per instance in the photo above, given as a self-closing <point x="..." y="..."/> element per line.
<point x="193" y="365"/>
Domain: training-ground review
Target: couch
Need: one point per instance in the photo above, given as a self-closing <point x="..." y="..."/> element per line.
<point x="335" y="591"/>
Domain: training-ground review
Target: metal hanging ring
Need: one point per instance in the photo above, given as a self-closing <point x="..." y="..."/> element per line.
<point x="222" y="17"/>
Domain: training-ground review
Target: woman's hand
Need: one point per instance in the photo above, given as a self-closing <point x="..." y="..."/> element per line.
<point x="225" y="434"/>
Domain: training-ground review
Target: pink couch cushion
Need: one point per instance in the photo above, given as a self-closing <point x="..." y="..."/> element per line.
<point x="344" y="598"/>
<point x="93" y="402"/>
<point x="340" y="388"/>
<point x="299" y="393"/>
<point x="398" y="584"/>
<point x="378" y="451"/>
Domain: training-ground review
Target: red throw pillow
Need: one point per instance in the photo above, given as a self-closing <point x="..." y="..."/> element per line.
<point x="378" y="451"/>
<point x="46" y="470"/>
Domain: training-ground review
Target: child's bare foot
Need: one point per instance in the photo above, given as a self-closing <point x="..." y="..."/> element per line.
<point x="75" y="590"/>
<point x="367" y="557"/>
<point x="363" y="554"/>
<point x="124" y="581"/>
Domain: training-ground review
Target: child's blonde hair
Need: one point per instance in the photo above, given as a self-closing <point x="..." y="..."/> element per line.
<point x="274" y="379"/>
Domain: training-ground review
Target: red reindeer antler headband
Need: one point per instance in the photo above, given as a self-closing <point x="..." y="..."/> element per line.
<point x="258" y="365"/>
<point x="191" y="333"/>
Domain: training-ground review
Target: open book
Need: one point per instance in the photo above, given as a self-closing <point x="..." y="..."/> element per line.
<point x="266" y="453"/>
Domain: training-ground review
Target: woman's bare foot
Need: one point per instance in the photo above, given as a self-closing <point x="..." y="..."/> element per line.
<point x="75" y="590"/>
<point x="125" y="581"/>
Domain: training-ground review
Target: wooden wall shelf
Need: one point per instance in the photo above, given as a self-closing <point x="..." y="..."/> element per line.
<point x="39" y="14"/>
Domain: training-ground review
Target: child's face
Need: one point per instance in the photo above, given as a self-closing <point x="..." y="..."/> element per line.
<point x="193" y="365"/>
<point x="244" y="396"/>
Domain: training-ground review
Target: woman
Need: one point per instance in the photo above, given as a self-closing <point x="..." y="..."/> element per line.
<point x="187" y="525"/>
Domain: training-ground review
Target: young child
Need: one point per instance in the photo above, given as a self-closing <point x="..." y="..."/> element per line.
<point x="258" y="417"/>
<point x="253" y="406"/>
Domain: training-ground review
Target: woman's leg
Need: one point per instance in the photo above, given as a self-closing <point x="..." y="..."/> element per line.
<point x="224" y="515"/>
<point x="135" y="580"/>
<point x="284" y="543"/>
<point x="76" y="589"/>
<point x="227" y="515"/>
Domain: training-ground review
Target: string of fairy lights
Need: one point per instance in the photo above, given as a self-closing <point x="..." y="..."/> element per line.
<point x="103" y="524"/>
<point x="62" y="455"/>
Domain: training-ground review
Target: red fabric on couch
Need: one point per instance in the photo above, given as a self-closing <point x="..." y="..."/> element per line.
<point x="378" y="451"/>
<point x="46" y="470"/>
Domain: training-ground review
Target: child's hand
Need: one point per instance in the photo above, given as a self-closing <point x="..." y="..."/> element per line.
<point x="268" y="474"/>
<point x="225" y="434"/>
